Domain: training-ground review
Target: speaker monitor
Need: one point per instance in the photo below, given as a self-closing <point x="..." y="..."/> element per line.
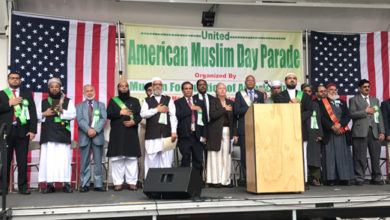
<point x="172" y="183"/>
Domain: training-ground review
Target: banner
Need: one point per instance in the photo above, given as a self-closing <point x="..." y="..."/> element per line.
<point x="215" y="55"/>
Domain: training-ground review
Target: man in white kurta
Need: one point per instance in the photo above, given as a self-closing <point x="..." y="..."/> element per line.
<point x="56" y="158"/>
<point x="155" y="108"/>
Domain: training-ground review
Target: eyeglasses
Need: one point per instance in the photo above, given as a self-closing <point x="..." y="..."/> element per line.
<point x="294" y="78"/>
<point x="14" y="78"/>
<point x="157" y="84"/>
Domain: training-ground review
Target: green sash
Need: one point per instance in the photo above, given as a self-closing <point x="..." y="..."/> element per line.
<point x="376" y="114"/>
<point x="96" y="116"/>
<point x="57" y="119"/>
<point x="19" y="112"/>
<point x="300" y="95"/>
<point x="313" y="121"/>
<point x="119" y="102"/>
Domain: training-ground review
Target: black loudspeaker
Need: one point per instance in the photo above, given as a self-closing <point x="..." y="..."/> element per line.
<point x="173" y="183"/>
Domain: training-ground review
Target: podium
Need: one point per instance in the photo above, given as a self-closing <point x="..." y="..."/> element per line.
<point x="274" y="153"/>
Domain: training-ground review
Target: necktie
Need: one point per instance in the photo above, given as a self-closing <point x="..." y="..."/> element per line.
<point x="14" y="92"/>
<point x="366" y="98"/>
<point x="251" y="95"/>
<point x="192" y="112"/>
<point x="90" y="112"/>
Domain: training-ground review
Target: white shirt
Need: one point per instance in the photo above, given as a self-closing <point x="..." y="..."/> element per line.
<point x="291" y="93"/>
<point x="147" y="113"/>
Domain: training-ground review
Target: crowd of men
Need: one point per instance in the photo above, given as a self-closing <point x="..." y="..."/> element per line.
<point x="204" y="128"/>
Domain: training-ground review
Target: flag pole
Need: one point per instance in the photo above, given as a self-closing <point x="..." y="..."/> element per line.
<point x="119" y="47"/>
<point x="9" y="36"/>
<point x="307" y="56"/>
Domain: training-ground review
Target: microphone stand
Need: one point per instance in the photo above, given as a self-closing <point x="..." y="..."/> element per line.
<point x="4" y="188"/>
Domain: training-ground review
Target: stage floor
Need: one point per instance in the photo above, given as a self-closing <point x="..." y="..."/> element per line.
<point x="111" y="204"/>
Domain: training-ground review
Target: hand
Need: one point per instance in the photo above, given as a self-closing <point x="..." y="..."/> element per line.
<point x="388" y="138"/>
<point x="125" y="112"/>
<point x="262" y="90"/>
<point x="162" y="109"/>
<point x="235" y="139"/>
<point x="338" y="126"/>
<point x="203" y="140"/>
<point x="49" y="112"/>
<point x="336" y="130"/>
<point x="59" y="109"/>
<point x="295" y="100"/>
<point x="228" y="108"/>
<point x="32" y="135"/>
<point x="370" y="110"/>
<point x="173" y="137"/>
<point x="195" y="108"/>
<point x="91" y="133"/>
<point x="381" y="137"/>
<point x="129" y="123"/>
<point x="15" y="101"/>
<point x="318" y="139"/>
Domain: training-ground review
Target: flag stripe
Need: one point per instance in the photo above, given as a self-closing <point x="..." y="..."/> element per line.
<point x="378" y="66"/>
<point x="111" y="63"/>
<point x="385" y="63"/>
<point x="102" y="92"/>
<point x="96" y="58"/>
<point x="370" y="63"/>
<point x="88" y="35"/>
<point x="72" y="49"/>
<point x="363" y="56"/>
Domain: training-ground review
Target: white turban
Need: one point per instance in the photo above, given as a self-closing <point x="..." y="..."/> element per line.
<point x="275" y="83"/>
<point x="156" y="79"/>
<point x="290" y="74"/>
<point x="54" y="80"/>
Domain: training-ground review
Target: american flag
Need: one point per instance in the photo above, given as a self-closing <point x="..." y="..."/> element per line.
<point x="77" y="52"/>
<point x="345" y="59"/>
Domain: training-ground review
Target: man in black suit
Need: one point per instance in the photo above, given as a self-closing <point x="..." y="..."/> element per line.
<point x="191" y="128"/>
<point x="243" y="101"/>
<point x="385" y="108"/>
<point x="291" y="95"/>
<point x="17" y="110"/>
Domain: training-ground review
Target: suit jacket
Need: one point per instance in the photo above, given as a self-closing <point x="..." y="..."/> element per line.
<point x="385" y="108"/>
<point x="183" y="114"/>
<point x="327" y="123"/>
<point x="306" y="106"/>
<point x="240" y="108"/>
<point x="83" y="123"/>
<point x="362" y="120"/>
<point x="7" y="113"/>
<point x="215" y="125"/>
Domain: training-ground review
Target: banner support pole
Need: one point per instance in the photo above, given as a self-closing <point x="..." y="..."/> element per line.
<point x="119" y="47"/>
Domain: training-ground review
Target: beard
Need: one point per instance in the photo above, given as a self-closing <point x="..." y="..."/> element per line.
<point x="333" y="97"/>
<point x="89" y="98"/>
<point x="157" y="92"/>
<point x="290" y="86"/>
<point x="55" y="96"/>
<point x="124" y="95"/>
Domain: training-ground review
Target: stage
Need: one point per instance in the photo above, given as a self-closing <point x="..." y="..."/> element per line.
<point x="215" y="203"/>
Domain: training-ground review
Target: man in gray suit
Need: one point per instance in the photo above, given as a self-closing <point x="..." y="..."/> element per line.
<point x="91" y="117"/>
<point x="367" y="131"/>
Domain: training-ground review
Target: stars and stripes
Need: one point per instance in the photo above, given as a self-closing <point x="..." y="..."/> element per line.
<point x="345" y="59"/>
<point x="75" y="51"/>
